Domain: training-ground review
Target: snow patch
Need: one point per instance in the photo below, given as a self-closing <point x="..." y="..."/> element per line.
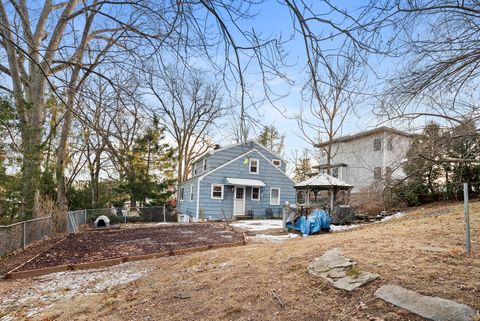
<point x="391" y="217"/>
<point x="258" y="225"/>
<point x="47" y="289"/>
<point x="338" y="228"/>
<point x="276" y="238"/>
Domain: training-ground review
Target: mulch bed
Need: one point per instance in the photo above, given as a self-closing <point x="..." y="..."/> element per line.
<point x="98" y="245"/>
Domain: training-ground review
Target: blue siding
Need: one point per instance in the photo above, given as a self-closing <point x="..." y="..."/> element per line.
<point x="268" y="173"/>
<point x="186" y="206"/>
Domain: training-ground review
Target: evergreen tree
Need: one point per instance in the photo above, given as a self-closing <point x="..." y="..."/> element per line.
<point x="303" y="167"/>
<point x="271" y="138"/>
<point x="150" y="163"/>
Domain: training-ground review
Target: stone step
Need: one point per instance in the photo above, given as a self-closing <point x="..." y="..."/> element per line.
<point x="429" y="307"/>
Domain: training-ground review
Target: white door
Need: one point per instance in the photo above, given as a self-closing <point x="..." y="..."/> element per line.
<point x="239" y="201"/>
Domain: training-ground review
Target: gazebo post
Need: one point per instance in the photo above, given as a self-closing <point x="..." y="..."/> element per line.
<point x="332" y="196"/>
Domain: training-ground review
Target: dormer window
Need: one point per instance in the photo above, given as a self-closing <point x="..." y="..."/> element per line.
<point x="204" y="164"/>
<point x="253" y="166"/>
<point x="276" y="162"/>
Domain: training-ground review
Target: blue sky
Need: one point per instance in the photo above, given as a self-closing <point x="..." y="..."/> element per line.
<point x="274" y="19"/>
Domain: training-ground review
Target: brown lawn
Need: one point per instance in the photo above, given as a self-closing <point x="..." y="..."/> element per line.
<point x="423" y="251"/>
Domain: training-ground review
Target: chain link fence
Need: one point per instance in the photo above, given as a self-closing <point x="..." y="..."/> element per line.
<point x="20" y="235"/>
<point x="161" y="213"/>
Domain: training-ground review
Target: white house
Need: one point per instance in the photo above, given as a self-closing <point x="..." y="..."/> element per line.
<point x="367" y="157"/>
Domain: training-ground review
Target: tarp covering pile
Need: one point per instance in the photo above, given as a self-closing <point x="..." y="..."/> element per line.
<point x="316" y="221"/>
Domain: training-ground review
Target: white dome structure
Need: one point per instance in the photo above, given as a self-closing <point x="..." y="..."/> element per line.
<point x="102" y="221"/>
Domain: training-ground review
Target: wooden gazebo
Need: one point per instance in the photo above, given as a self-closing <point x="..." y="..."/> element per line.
<point x="308" y="192"/>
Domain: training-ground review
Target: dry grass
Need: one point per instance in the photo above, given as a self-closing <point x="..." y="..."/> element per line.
<point x="423" y="251"/>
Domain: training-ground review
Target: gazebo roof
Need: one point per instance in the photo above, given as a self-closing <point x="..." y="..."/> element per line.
<point x="324" y="181"/>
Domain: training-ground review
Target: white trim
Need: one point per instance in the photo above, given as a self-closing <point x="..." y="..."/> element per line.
<point x="234" y="199"/>
<point x="277" y="160"/>
<point x="277" y="188"/>
<point x="251" y="195"/>
<point x="211" y="191"/>
<point x="277" y="168"/>
<point x="181" y="192"/>
<point x="250" y="165"/>
<point x="227" y="163"/>
<point x="243" y="155"/>
<point x="197" y="207"/>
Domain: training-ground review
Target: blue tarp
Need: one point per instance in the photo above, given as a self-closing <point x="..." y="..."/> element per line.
<point x="316" y="221"/>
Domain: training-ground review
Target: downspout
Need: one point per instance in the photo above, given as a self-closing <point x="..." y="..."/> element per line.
<point x="198" y="197"/>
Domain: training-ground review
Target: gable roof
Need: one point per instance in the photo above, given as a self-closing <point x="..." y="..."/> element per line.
<point x="323" y="180"/>
<point x="237" y="158"/>
<point x="250" y="141"/>
<point x="363" y="134"/>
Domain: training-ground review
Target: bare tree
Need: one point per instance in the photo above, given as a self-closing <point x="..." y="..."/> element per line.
<point x="334" y="53"/>
<point x="437" y="42"/>
<point x="190" y="107"/>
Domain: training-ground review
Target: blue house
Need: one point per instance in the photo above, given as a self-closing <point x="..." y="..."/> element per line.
<point x="241" y="179"/>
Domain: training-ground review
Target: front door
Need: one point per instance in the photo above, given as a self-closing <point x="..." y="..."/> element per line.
<point x="239" y="201"/>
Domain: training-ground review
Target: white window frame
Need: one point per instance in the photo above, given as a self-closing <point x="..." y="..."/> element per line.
<point x="191" y="193"/>
<point x="204" y="164"/>
<point x="277" y="160"/>
<point x="250" y="166"/>
<point x="211" y="191"/>
<point x="182" y="194"/>
<point x="271" y="190"/>
<point x="251" y="195"/>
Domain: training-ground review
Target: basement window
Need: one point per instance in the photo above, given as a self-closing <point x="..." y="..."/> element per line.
<point x="377" y="173"/>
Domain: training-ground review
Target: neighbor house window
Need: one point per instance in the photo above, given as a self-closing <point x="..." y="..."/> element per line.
<point x="204" y="164"/>
<point x="335" y="172"/>
<point x="390" y="143"/>
<point x="195" y="169"/>
<point x="377" y="173"/>
<point x="388" y="172"/>
<point x="274" y="196"/>
<point x="191" y="193"/>
<point x="253" y="166"/>
<point x="377" y="144"/>
<point x="277" y="162"/>
<point x="182" y="193"/>
<point x="217" y="192"/>
<point x="255" y="193"/>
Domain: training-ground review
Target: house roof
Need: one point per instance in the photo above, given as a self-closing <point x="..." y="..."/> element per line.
<point x="245" y="182"/>
<point x="323" y="166"/>
<point x="363" y="134"/>
<point x="323" y="180"/>
<point x="250" y="141"/>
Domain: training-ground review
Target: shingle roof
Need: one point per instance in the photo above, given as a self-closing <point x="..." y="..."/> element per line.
<point x="362" y="134"/>
<point x="323" y="180"/>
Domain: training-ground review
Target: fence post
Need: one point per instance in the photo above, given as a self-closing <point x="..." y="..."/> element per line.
<point x="467" y="217"/>
<point x="164" y="213"/>
<point x="24" y="235"/>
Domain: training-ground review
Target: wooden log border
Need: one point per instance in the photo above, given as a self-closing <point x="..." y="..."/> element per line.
<point x="13" y="274"/>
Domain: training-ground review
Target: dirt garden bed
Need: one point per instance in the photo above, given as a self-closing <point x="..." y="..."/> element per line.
<point x="102" y="245"/>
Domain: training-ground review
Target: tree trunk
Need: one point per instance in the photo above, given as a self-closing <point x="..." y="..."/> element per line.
<point x="31" y="170"/>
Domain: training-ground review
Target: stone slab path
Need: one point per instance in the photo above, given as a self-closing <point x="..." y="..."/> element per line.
<point x="432" y="308"/>
<point x="340" y="271"/>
